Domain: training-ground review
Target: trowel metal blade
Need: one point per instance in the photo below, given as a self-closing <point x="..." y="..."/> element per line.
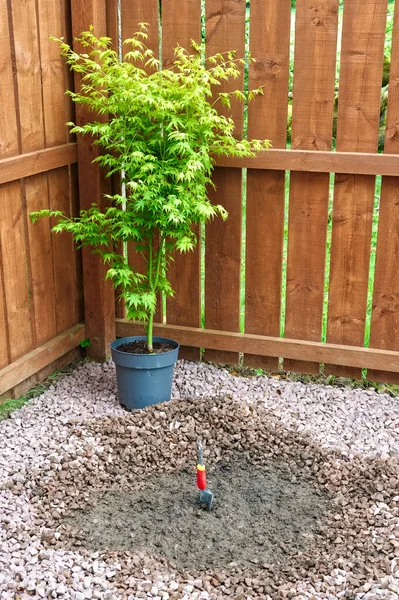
<point x="206" y="497"/>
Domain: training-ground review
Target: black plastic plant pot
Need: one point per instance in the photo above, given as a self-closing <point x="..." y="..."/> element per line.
<point x="144" y="379"/>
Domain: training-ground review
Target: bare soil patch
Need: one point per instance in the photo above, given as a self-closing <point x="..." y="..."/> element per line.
<point x="260" y="515"/>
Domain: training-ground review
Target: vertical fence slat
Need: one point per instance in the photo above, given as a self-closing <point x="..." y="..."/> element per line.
<point x="385" y="316"/>
<point x="225" y="30"/>
<point x="64" y="255"/>
<point x="4" y="351"/>
<point x="312" y="118"/>
<point x="8" y="121"/>
<point x="362" y="49"/>
<point x="13" y="252"/>
<point x="141" y="11"/>
<point x="39" y="239"/>
<point x="98" y="294"/>
<point x="181" y="22"/>
<point x="31" y="92"/>
<point x="28" y="100"/>
<point x="8" y="147"/>
<point x="267" y="118"/>
<point x="74" y="210"/>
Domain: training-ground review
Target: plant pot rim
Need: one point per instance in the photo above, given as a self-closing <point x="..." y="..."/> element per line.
<point x="134" y="338"/>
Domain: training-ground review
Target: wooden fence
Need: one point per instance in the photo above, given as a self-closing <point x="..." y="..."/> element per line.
<point x="41" y="299"/>
<point x="33" y="122"/>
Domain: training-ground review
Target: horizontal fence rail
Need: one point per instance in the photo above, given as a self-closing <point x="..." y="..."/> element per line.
<point x="357" y="163"/>
<point x="39" y="358"/>
<point x="270" y="346"/>
<point x="40" y="161"/>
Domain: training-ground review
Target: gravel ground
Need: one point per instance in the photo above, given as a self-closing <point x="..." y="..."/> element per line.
<point x="75" y="440"/>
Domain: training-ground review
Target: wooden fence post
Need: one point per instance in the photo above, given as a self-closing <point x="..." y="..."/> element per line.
<point x="98" y="293"/>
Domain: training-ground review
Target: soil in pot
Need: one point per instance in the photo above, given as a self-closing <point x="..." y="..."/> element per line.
<point x="260" y="516"/>
<point x="140" y="347"/>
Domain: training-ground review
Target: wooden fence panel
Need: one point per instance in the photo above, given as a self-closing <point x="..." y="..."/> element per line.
<point x="312" y="119"/>
<point x="181" y="23"/>
<point x="362" y="50"/>
<point x="33" y="113"/>
<point x="225" y="30"/>
<point x="384" y="332"/>
<point x="267" y="118"/>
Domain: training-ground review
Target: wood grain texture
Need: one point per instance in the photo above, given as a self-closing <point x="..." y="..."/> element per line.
<point x="4" y="338"/>
<point x="34" y="190"/>
<point x="222" y="262"/>
<point x="57" y="111"/>
<point x="181" y="23"/>
<point x="98" y="293"/>
<point x="112" y="22"/>
<point x="8" y="147"/>
<point x="53" y="71"/>
<point x="28" y="74"/>
<point x="8" y="119"/>
<point x="247" y="343"/>
<point x="64" y="255"/>
<point x="41" y="261"/>
<point x="39" y="161"/>
<point x="40" y="357"/>
<point x="316" y="29"/>
<point x="225" y="30"/>
<point x="384" y="331"/>
<point x="362" y="163"/>
<point x="14" y="263"/>
<point x="74" y="210"/>
<point x="267" y="118"/>
<point x="362" y="50"/>
<point x="141" y="11"/>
